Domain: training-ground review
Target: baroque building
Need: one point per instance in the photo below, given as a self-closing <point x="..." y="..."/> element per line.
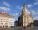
<point x="26" y="17"/>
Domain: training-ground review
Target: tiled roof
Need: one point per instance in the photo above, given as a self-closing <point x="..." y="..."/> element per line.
<point x="6" y="15"/>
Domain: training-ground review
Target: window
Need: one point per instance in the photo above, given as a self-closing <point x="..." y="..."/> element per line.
<point x="6" y="23"/>
<point x="2" y="23"/>
<point x="1" y="20"/>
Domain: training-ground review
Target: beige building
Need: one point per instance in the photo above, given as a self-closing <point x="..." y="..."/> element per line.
<point x="27" y="17"/>
<point x="6" y="20"/>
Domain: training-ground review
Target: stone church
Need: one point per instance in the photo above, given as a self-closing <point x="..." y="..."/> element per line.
<point x="25" y="18"/>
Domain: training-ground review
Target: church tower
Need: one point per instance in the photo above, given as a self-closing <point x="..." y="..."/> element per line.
<point x="27" y="17"/>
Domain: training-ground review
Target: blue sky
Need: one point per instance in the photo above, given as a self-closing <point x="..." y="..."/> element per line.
<point x="14" y="7"/>
<point x="33" y="7"/>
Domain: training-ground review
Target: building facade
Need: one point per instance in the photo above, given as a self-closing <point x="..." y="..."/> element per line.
<point x="6" y="20"/>
<point x="26" y="17"/>
<point x="11" y="21"/>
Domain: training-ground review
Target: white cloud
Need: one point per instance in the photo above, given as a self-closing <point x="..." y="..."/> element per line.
<point x="16" y="13"/>
<point x="36" y="3"/>
<point x="4" y="8"/>
<point x="6" y="4"/>
<point x="19" y="7"/>
<point x="29" y="6"/>
<point x="35" y="18"/>
<point x="34" y="12"/>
